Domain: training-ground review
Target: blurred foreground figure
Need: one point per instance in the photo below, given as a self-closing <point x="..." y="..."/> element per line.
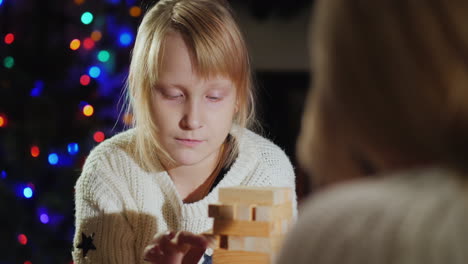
<point x="387" y="118"/>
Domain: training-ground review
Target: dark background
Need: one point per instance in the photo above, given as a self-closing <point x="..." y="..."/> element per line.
<point x="41" y="99"/>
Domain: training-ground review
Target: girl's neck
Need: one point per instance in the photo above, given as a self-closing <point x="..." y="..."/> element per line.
<point x="194" y="182"/>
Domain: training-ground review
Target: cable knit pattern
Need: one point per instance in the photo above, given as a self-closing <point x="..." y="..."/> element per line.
<point x="415" y="217"/>
<point x="122" y="206"/>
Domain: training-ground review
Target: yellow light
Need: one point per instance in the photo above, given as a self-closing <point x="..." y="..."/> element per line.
<point x="75" y="44"/>
<point x="96" y="35"/>
<point x="135" y="11"/>
<point x="79" y="2"/>
<point x="88" y="110"/>
<point x="127" y="119"/>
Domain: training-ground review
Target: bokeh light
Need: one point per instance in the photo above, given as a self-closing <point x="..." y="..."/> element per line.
<point x="87" y="18"/>
<point x="88" y="43"/>
<point x="3" y="120"/>
<point x="75" y="44"/>
<point x="99" y="136"/>
<point x="127" y="119"/>
<point x="9" y="62"/>
<point x="27" y="262"/>
<point x="88" y="110"/>
<point x="103" y="55"/>
<point x="3" y="174"/>
<point x="85" y="80"/>
<point x="53" y="159"/>
<point x="125" y="39"/>
<point x="35" y="151"/>
<point x="79" y="2"/>
<point x="22" y="239"/>
<point x="37" y="89"/>
<point x="28" y="192"/>
<point x="44" y="218"/>
<point x="73" y="148"/>
<point x="94" y="71"/>
<point x="135" y="11"/>
<point x="9" y="38"/>
<point x="96" y="35"/>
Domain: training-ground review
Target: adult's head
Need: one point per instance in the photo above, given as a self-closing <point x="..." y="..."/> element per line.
<point x="390" y="88"/>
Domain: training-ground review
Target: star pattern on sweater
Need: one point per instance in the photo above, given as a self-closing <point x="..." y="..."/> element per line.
<point x="86" y="243"/>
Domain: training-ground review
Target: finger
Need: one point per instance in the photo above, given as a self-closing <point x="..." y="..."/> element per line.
<point x="152" y="253"/>
<point x="191" y="239"/>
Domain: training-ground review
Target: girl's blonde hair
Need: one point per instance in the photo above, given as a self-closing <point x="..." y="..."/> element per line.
<point x="392" y="77"/>
<point x="218" y="48"/>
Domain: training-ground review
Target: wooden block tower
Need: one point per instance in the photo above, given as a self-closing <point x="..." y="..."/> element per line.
<point x="250" y="223"/>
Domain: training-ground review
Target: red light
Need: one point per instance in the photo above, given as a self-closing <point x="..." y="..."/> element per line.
<point x="22" y="239"/>
<point x="9" y="38"/>
<point x="99" y="136"/>
<point x="35" y="151"/>
<point x="85" y="80"/>
<point x="27" y="262"/>
<point x="88" y="43"/>
<point x="3" y="120"/>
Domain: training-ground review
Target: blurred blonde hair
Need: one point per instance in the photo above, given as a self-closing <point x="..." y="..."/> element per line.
<point x="392" y="77"/>
<point x="218" y="48"/>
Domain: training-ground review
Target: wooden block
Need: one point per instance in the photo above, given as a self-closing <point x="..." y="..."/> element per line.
<point x="222" y="211"/>
<point x="255" y="244"/>
<point x="223" y="256"/>
<point x="272" y="213"/>
<point x="247" y="228"/>
<point x="255" y="195"/>
<point x="244" y="212"/>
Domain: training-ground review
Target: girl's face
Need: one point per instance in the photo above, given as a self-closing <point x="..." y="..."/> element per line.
<point x="193" y="115"/>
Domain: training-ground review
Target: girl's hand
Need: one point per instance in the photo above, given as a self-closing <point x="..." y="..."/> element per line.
<point x="176" y="248"/>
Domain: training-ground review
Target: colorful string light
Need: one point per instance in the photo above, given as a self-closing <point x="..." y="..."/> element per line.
<point x="75" y="44"/>
<point x="88" y="43"/>
<point x="87" y="18"/>
<point x="103" y="56"/>
<point x="35" y="151"/>
<point x="3" y="120"/>
<point x="125" y="39"/>
<point x="96" y="35"/>
<point x="22" y="239"/>
<point x="28" y="192"/>
<point x="9" y="38"/>
<point x="85" y="80"/>
<point x="99" y="136"/>
<point x="73" y="148"/>
<point x="8" y="62"/>
<point x="88" y="110"/>
<point x="135" y="11"/>
<point x="94" y="71"/>
<point x="53" y="159"/>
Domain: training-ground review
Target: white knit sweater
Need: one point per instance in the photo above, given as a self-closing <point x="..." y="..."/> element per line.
<point x="119" y="206"/>
<point x="414" y="217"/>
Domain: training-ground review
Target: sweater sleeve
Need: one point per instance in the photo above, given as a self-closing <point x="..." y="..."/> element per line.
<point x="103" y="234"/>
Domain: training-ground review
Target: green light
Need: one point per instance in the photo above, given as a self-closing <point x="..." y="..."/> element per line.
<point x="87" y="18"/>
<point x="8" y="62"/>
<point x="103" y="56"/>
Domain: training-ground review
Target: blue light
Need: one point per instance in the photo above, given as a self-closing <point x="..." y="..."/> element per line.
<point x="44" y="218"/>
<point x="4" y="174"/>
<point x="73" y="148"/>
<point x="27" y="192"/>
<point x="1" y="2"/>
<point x="125" y="39"/>
<point x="37" y="90"/>
<point x="53" y="159"/>
<point x="94" y="71"/>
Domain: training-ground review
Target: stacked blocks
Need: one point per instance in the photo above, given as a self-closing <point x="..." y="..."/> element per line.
<point x="250" y="223"/>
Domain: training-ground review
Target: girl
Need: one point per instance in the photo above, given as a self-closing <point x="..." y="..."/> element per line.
<point x="390" y="101"/>
<point x="191" y="96"/>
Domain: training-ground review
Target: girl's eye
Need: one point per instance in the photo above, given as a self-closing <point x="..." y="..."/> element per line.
<point x="173" y="96"/>
<point x="214" y="98"/>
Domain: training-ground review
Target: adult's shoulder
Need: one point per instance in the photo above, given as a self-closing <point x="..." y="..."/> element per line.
<point x="364" y="217"/>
